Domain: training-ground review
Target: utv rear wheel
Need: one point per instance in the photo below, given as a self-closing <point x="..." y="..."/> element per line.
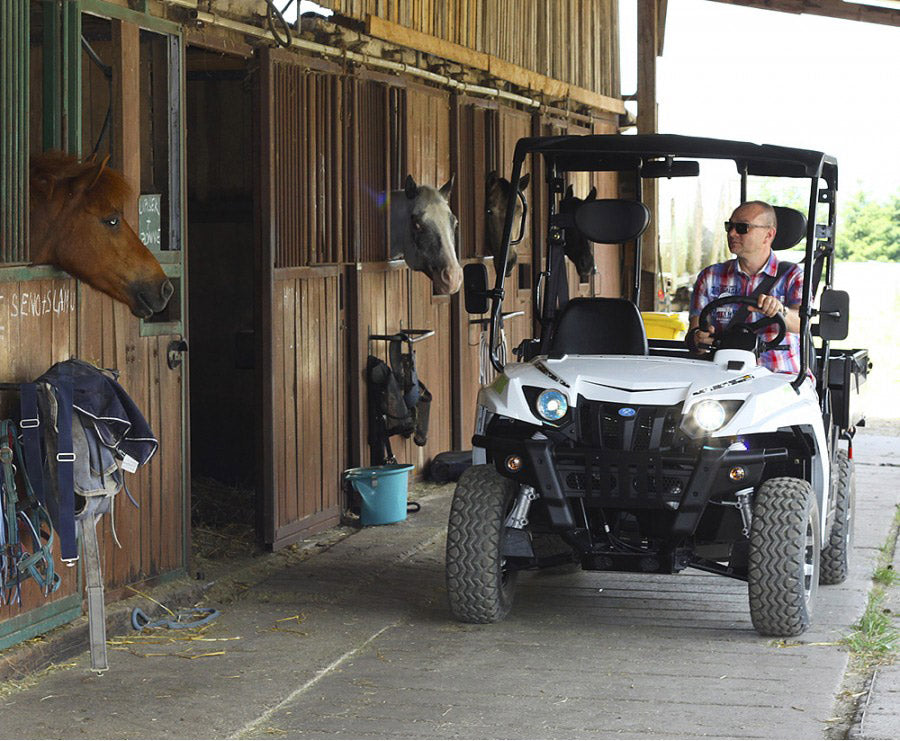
<point x="785" y="544"/>
<point x="836" y="550"/>
<point x="479" y="585"/>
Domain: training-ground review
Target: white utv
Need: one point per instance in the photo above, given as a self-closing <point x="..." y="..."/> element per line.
<point x="620" y="454"/>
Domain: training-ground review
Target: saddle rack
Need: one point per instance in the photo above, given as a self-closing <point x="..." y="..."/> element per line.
<point x="402" y="394"/>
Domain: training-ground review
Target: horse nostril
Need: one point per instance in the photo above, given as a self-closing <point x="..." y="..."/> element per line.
<point x="166" y="290"/>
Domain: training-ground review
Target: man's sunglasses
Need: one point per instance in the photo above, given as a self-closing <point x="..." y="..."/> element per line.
<point x="742" y="227"/>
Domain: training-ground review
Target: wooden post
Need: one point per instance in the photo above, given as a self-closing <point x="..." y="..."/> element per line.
<point x="125" y="129"/>
<point x="647" y="123"/>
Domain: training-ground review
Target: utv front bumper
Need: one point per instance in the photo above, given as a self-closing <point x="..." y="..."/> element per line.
<point x="680" y="483"/>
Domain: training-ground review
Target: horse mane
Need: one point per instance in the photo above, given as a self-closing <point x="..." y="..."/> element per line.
<point x="52" y="170"/>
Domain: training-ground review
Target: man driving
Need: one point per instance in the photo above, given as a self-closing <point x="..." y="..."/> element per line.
<point x="751" y="230"/>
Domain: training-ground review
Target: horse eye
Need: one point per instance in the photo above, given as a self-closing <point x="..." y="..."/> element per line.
<point x="417" y="225"/>
<point x="112" y="221"/>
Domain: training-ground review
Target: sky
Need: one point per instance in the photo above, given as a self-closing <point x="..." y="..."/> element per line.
<point x="777" y="78"/>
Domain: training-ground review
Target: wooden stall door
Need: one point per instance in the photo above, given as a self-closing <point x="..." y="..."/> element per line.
<point x="428" y="158"/>
<point x="307" y="411"/>
<point x="301" y="191"/>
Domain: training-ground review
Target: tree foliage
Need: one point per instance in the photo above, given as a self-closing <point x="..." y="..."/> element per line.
<point x="869" y="229"/>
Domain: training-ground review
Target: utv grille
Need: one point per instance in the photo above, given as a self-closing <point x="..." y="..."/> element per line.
<point x="615" y="426"/>
<point x="670" y="484"/>
<point x="625" y="479"/>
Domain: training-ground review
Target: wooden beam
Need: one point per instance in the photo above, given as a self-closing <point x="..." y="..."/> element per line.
<point x="495" y="67"/>
<point x="661" y="12"/>
<point x="648" y="34"/>
<point x="827" y="8"/>
<point x="647" y="123"/>
<point x="411" y="39"/>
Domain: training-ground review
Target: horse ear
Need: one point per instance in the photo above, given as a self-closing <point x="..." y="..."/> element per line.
<point x="412" y="190"/>
<point x="87" y="180"/>
<point x="447" y="187"/>
<point x="569" y="192"/>
<point x="524" y="180"/>
<point x="592" y="194"/>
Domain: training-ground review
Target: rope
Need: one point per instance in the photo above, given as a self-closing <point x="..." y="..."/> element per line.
<point x="275" y="18"/>
<point x="17" y="563"/>
<point x="180" y="621"/>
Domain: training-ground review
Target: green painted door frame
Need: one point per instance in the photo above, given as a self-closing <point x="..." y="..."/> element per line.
<point x="14" y="72"/>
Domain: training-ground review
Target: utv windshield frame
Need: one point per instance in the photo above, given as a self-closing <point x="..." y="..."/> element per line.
<point x="664" y="152"/>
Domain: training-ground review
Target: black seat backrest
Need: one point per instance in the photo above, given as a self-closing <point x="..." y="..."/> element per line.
<point x="791" y="228"/>
<point x="598" y="326"/>
<point x="612" y="220"/>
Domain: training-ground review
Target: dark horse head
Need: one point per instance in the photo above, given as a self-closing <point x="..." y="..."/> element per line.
<point x="77" y="225"/>
<point x="423" y="232"/>
<point x="578" y="248"/>
<point x="496" y="198"/>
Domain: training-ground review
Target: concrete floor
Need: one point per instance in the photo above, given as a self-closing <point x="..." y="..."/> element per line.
<point x="357" y="642"/>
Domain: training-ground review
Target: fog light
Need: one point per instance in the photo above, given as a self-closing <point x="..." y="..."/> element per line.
<point x="514" y="463"/>
<point x="738" y="473"/>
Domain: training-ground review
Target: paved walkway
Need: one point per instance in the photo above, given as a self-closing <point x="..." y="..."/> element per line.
<point x="357" y="642"/>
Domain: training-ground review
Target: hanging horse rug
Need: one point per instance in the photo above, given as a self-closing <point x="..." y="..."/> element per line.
<point x="78" y="433"/>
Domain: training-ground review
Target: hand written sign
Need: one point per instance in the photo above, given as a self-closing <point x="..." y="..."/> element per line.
<point x="149" y="229"/>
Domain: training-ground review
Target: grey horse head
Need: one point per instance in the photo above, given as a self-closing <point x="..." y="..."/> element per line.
<point x="496" y="198"/>
<point x="423" y="232"/>
<point x="578" y="249"/>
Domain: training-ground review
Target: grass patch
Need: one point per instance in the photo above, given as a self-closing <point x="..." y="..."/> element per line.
<point x="885" y="576"/>
<point x="875" y="637"/>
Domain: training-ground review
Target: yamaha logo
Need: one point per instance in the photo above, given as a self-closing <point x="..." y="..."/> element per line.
<point x="627" y="412"/>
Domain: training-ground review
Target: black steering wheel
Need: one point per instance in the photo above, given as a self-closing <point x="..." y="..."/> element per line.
<point x="746" y="327"/>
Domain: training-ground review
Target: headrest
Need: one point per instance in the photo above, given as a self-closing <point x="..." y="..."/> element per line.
<point x="612" y="220"/>
<point x="791" y="228"/>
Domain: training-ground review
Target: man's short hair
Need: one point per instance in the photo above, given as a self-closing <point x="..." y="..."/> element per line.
<point x="771" y="219"/>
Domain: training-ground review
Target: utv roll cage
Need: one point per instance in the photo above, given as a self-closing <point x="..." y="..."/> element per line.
<point x="666" y="155"/>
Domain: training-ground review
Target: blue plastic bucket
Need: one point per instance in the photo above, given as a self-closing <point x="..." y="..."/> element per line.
<point x="382" y="490"/>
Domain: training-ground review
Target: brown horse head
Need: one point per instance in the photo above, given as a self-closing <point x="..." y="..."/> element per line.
<point x="77" y="225"/>
<point x="496" y="198"/>
<point x="577" y="248"/>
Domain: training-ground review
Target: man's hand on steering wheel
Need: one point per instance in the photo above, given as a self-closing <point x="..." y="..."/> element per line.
<point x="769" y="306"/>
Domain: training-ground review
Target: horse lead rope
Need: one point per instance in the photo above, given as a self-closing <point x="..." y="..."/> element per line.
<point x="16" y="563"/>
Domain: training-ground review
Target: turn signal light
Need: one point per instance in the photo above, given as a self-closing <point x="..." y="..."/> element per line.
<point x="738" y="473"/>
<point x="514" y="463"/>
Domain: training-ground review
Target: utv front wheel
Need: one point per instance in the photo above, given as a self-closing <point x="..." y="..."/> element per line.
<point x="479" y="585"/>
<point x="785" y="544"/>
<point x="836" y="550"/>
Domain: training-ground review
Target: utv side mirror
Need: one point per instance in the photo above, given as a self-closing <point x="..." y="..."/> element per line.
<point x="475" y="284"/>
<point x="834" y="315"/>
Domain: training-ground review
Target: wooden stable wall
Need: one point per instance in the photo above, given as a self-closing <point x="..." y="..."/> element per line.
<point x="47" y="317"/>
<point x="327" y="199"/>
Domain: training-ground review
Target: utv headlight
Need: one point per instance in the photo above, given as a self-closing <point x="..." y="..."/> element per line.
<point x="552" y="405"/>
<point x="709" y="415"/>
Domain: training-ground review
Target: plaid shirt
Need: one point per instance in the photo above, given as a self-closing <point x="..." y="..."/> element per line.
<point x="727" y="279"/>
